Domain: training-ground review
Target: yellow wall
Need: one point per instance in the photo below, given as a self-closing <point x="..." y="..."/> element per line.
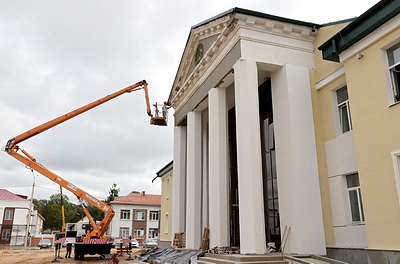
<point x="166" y="207"/>
<point x="376" y="129"/>
<point x="323" y="120"/>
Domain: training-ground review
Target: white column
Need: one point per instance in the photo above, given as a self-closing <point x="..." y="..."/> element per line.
<point x="179" y="181"/>
<point x="296" y="159"/>
<point x="251" y="213"/>
<point x="218" y="167"/>
<point x="205" y="193"/>
<point x="194" y="181"/>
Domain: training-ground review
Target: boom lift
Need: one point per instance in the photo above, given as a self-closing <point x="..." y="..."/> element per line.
<point x="97" y="229"/>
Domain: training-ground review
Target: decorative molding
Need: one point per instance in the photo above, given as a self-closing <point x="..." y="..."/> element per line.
<point x="330" y="78"/>
<point x="228" y="30"/>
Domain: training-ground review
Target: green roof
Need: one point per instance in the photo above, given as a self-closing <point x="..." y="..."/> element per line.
<point x="362" y="26"/>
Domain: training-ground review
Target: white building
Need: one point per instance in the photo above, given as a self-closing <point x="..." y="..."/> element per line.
<point x="231" y="142"/>
<point x="136" y="215"/>
<point x="14" y="215"/>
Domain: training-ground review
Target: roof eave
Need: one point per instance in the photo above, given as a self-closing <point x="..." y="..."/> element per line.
<point x="362" y="26"/>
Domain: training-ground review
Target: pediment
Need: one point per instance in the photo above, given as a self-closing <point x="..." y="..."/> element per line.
<point x="211" y="40"/>
<point x="203" y="43"/>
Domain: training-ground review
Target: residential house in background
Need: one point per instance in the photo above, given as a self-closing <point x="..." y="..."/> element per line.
<point x="166" y="235"/>
<point x="14" y="216"/>
<point x="287" y="130"/>
<point x="136" y="215"/>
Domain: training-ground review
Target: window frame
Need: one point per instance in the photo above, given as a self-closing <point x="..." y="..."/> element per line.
<point x="359" y="205"/>
<point x="339" y="110"/>
<point x="396" y="169"/>
<point x="152" y="214"/>
<point x="125" y="214"/>
<point x="4" y="236"/>
<point x="392" y="65"/>
<point x="137" y="213"/>
<point x="166" y="223"/>
<point x="153" y="233"/>
<point x="167" y="188"/>
<point x="138" y="232"/>
<point x="8" y="214"/>
<point x="122" y="231"/>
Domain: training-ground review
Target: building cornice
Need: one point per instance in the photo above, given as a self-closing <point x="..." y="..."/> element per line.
<point x="229" y="30"/>
<point x="361" y="27"/>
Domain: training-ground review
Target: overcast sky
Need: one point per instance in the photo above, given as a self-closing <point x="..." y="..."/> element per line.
<point x="58" y="55"/>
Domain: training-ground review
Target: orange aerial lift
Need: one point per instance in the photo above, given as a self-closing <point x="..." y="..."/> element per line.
<point x="96" y="234"/>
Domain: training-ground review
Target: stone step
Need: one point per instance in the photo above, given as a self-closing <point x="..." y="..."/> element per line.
<point x="211" y="261"/>
<point x="242" y="259"/>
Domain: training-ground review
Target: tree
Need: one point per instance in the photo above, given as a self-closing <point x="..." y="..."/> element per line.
<point x="51" y="211"/>
<point x="134" y="192"/>
<point x="113" y="193"/>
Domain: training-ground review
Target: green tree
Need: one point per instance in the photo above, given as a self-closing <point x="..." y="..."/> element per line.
<point x="134" y="192"/>
<point x="113" y="193"/>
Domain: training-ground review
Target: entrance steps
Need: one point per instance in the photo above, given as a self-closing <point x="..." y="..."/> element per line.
<point x="242" y="259"/>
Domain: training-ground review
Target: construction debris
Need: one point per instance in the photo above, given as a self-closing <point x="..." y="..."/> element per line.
<point x="225" y="250"/>
<point x="169" y="255"/>
<point x="179" y="240"/>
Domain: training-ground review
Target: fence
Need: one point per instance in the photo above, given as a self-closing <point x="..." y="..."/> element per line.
<point x="16" y="235"/>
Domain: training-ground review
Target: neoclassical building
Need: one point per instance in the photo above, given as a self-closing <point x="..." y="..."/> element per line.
<point x="266" y="148"/>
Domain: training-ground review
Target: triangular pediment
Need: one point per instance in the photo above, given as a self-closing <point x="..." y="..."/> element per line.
<point x="202" y="44"/>
<point x="211" y="41"/>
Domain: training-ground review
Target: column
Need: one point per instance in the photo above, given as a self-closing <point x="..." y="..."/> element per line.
<point x="251" y="204"/>
<point x="205" y="192"/>
<point x="296" y="159"/>
<point x="194" y="180"/>
<point x="218" y="167"/>
<point x="179" y="181"/>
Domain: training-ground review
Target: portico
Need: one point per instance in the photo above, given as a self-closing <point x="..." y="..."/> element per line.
<point x="245" y="161"/>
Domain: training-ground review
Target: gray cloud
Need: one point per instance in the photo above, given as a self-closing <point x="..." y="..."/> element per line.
<point x="59" y="55"/>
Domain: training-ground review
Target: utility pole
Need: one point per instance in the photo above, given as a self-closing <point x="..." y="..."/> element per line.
<point x="28" y="224"/>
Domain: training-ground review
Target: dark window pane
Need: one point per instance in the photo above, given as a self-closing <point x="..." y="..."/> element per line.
<point x="342" y="95"/>
<point x="396" y="79"/>
<point x="344" y="118"/>
<point x="352" y="180"/>
<point x="394" y="54"/>
<point x="355" y="210"/>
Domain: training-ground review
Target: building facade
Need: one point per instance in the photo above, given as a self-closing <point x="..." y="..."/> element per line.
<point x="14" y="216"/>
<point x="266" y="148"/>
<point x="137" y="216"/>
<point x="166" y="235"/>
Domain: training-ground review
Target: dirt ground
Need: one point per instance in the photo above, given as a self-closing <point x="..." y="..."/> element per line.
<point x="38" y="256"/>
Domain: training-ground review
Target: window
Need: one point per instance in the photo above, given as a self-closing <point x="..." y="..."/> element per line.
<point x="394" y="68"/>
<point x="354" y="191"/>
<point x="153" y="232"/>
<point x="5" y="234"/>
<point x="139" y="216"/>
<point x="125" y="215"/>
<point x="167" y="189"/>
<point x="124" y="232"/>
<point x="138" y="232"/>
<point x="153" y="216"/>
<point x="166" y="223"/>
<point x="8" y="214"/>
<point x="396" y="167"/>
<point x="343" y="109"/>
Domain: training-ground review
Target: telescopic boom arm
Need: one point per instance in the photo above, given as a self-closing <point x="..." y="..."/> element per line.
<point x="13" y="150"/>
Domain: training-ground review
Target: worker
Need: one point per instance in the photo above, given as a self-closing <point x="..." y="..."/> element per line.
<point x="165" y="108"/>
<point x="69" y="249"/>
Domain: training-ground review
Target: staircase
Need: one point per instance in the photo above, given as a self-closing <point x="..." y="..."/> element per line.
<point x="242" y="259"/>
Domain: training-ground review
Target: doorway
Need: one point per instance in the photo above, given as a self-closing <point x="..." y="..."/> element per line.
<point x="270" y="187"/>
